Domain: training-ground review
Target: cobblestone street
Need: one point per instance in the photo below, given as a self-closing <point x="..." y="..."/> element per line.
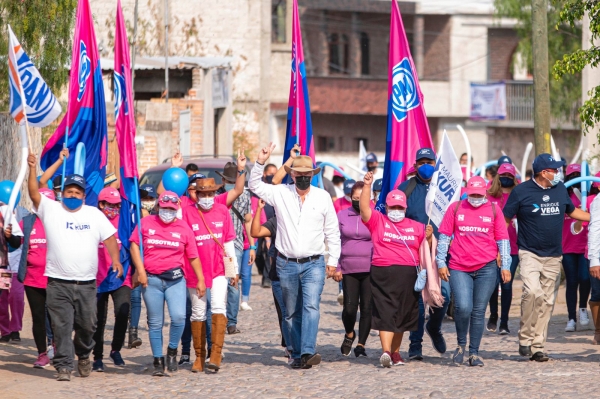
<point x="254" y="365"/>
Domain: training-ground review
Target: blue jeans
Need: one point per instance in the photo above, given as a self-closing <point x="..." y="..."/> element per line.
<point x="506" y="301"/>
<point x="285" y="331"/>
<point x="595" y="283"/>
<point x="436" y="317"/>
<point x="233" y="295"/>
<point x="136" y="306"/>
<point x="246" y="275"/>
<point x="155" y="295"/>
<point x="301" y="286"/>
<point x="577" y="273"/>
<point x="472" y="291"/>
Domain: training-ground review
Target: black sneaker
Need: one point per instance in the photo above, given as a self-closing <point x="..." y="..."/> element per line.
<point x="437" y="340"/>
<point x="540" y="357"/>
<point x="492" y="323"/>
<point x="459" y="356"/>
<point x="415" y="352"/>
<point x="475" y="361"/>
<point x="117" y="359"/>
<point x="307" y="360"/>
<point x="360" y="351"/>
<point x="296" y="364"/>
<point x="504" y="329"/>
<point x="233" y="330"/>
<point x="346" y="347"/>
<point x="84" y="366"/>
<point x="184" y="359"/>
<point x="63" y="375"/>
<point x="525" y="351"/>
<point x="98" y="366"/>
<point x="5" y="338"/>
<point x="15" y="336"/>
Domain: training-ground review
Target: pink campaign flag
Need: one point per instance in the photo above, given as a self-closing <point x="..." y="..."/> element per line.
<point x="299" y="124"/>
<point x="407" y="129"/>
<point x="124" y="111"/>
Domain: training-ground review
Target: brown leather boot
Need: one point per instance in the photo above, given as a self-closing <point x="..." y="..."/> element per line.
<point x="199" y="337"/>
<point x="219" y="323"/>
<point x="595" y="307"/>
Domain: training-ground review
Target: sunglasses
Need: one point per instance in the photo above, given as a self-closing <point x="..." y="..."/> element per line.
<point x="168" y="198"/>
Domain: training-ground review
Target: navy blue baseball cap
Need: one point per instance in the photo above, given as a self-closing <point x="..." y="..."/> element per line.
<point x="377" y="186"/>
<point x="546" y="161"/>
<point x="372" y="157"/>
<point x="195" y="177"/>
<point x="147" y="190"/>
<point x="504" y="159"/>
<point x="348" y="184"/>
<point x="75" y="180"/>
<point x="425" y="153"/>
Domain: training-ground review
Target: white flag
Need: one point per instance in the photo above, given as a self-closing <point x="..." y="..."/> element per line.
<point x="445" y="184"/>
<point x="362" y="157"/>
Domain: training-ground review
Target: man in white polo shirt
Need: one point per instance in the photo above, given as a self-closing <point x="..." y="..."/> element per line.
<point x="73" y="232"/>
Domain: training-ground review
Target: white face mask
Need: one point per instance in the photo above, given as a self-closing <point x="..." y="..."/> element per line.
<point x="477" y="202"/>
<point x="347" y="198"/>
<point x="206" y="203"/>
<point x="148" y="205"/>
<point x="396" y="216"/>
<point x="167" y="215"/>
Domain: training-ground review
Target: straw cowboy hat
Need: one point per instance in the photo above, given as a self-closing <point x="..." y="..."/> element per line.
<point x="302" y="163"/>
<point x="207" y="185"/>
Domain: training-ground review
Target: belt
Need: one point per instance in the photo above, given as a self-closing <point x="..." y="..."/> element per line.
<point x="60" y="280"/>
<point x="299" y="260"/>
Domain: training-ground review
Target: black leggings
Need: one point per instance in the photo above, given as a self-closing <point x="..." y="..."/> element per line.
<point x="357" y="288"/>
<point x="37" y="303"/>
<point x="121" y="301"/>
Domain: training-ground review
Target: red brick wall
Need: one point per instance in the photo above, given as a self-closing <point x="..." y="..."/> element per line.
<point x="501" y="46"/>
<point x="436" y="52"/>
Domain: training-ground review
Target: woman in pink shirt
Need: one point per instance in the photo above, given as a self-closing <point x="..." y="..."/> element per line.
<point x="168" y="242"/>
<point x="479" y="232"/>
<point x="396" y="241"/>
<point x="498" y="193"/>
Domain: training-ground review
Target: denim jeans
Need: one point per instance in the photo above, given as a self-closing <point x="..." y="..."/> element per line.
<point x="506" y="301"/>
<point x="246" y="275"/>
<point x="436" y="317"/>
<point x="577" y="273"/>
<point x="186" y="336"/>
<point x="233" y="295"/>
<point x="471" y="295"/>
<point x="595" y="283"/>
<point x="285" y="331"/>
<point x="301" y="286"/>
<point x="136" y="306"/>
<point x="155" y="295"/>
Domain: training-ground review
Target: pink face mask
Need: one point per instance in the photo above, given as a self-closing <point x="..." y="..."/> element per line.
<point x="111" y="212"/>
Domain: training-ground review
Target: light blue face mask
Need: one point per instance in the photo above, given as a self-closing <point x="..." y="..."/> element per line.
<point x="556" y="179"/>
<point x="229" y="187"/>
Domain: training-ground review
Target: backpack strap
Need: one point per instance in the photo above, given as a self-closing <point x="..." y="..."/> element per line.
<point x="410" y="187"/>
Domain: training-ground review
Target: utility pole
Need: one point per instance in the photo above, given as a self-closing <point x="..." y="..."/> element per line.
<point x="541" y="88"/>
<point x="167" y="51"/>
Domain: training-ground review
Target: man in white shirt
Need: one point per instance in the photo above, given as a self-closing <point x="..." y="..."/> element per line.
<point x="73" y="232"/>
<point x="305" y="219"/>
<point x="594" y="258"/>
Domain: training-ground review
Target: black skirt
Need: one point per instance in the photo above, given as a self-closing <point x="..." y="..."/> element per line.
<point x="395" y="301"/>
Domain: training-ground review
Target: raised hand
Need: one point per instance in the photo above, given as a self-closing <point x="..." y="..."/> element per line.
<point x="295" y="151"/>
<point x="177" y="160"/>
<point x="241" y="159"/>
<point x="265" y="153"/>
<point x="368" y="179"/>
<point x="31" y="160"/>
<point x="64" y="154"/>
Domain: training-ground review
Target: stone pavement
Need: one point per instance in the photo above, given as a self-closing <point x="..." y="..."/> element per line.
<point x="254" y="366"/>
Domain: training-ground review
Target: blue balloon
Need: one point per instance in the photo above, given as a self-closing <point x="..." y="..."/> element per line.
<point x="176" y="180"/>
<point x="6" y="187"/>
<point x="49" y="182"/>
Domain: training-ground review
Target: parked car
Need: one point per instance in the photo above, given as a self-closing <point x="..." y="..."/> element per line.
<point x="206" y="165"/>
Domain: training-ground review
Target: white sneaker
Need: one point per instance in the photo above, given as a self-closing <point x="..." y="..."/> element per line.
<point x="50" y="352"/>
<point x="584" y="320"/>
<point x="340" y="298"/>
<point x="571" y="326"/>
<point x="245" y="306"/>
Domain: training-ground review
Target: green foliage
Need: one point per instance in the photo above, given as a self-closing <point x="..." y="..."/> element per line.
<point x="563" y="38"/>
<point x="45" y="29"/>
<point x="571" y="64"/>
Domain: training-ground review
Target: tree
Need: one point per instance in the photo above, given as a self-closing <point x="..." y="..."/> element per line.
<point x="571" y="64"/>
<point x="563" y="38"/>
<point x="45" y="29"/>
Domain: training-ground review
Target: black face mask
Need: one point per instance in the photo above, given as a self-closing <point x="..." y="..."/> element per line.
<point x="303" y="182"/>
<point x="356" y="205"/>
<point x="507" y="182"/>
<point x="371" y="168"/>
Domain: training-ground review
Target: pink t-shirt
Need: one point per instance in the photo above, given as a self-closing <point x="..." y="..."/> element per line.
<point x="36" y="257"/>
<point x="186" y="201"/>
<point x="575" y="244"/>
<point x="166" y="245"/>
<point x="211" y="254"/>
<point x="222" y="199"/>
<point x="476" y="231"/>
<point x="104" y="260"/>
<point x="512" y="231"/>
<point x="397" y="245"/>
<point x="340" y="204"/>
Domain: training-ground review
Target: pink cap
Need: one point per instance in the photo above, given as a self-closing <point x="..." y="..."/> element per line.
<point x="507" y="168"/>
<point x="594" y="183"/>
<point x="338" y="174"/>
<point x="573" y="168"/>
<point x="396" y="198"/>
<point x="109" y="195"/>
<point x="168" y="199"/>
<point x="46" y="192"/>
<point x="476" y="185"/>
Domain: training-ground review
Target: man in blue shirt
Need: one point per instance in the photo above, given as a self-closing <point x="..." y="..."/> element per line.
<point x="540" y="205"/>
<point x="416" y="190"/>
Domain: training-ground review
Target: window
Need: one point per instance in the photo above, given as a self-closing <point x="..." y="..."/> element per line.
<point x="325" y="144"/>
<point x="278" y="21"/>
<point x="339" y="53"/>
<point x="364" y="53"/>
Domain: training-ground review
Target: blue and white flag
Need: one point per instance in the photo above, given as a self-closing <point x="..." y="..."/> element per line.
<point x="30" y="96"/>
